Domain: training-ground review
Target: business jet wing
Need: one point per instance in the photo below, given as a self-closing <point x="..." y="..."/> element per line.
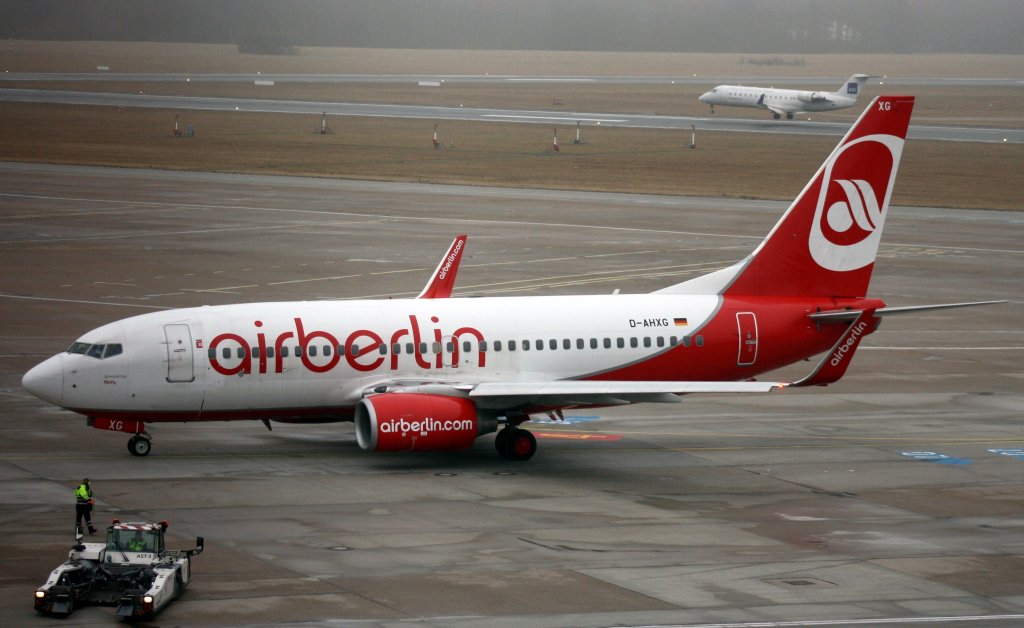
<point x="442" y="281"/>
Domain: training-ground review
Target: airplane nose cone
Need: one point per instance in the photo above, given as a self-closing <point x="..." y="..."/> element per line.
<point x="46" y="380"/>
<point x="704" y="97"/>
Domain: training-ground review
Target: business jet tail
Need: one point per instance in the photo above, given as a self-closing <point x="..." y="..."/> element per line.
<point x="853" y="86"/>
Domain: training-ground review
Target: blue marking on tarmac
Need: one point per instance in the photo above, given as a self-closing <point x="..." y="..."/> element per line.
<point x="1009" y="452"/>
<point x="570" y="419"/>
<point x="934" y="456"/>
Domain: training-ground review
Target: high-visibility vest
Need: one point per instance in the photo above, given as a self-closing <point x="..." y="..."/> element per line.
<point x="83" y="493"/>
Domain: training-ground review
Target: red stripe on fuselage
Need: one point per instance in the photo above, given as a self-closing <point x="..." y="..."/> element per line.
<point x="281" y="415"/>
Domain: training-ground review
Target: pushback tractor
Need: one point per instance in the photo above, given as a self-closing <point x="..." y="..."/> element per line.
<point x="132" y="571"/>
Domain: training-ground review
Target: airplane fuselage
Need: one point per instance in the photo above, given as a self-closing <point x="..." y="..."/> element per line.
<point x="316" y="360"/>
<point x="782" y="100"/>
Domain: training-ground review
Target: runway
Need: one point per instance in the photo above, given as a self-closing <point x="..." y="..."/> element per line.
<point x="101" y="99"/>
<point x="476" y="79"/>
<point x="892" y="496"/>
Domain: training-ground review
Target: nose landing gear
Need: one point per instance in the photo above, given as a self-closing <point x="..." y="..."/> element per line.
<point x="140" y="444"/>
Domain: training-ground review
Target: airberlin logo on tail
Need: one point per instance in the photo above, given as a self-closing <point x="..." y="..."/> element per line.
<point x="854" y="194"/>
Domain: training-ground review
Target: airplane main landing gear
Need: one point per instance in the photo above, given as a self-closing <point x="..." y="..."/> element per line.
<point x="514" y="443"/>
<point x="789" y="116"/>
<point x="775" y="116"/>
<point x="139" y="445"/>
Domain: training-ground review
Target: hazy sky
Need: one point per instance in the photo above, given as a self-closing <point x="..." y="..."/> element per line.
<point x="784" y="26"/>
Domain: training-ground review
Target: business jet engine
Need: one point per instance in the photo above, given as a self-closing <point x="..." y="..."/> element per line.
<point x="418" y="422"/>
<point x="812" y="97"/>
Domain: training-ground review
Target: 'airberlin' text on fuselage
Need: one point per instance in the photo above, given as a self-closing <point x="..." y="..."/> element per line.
<point x="362" y="348"/>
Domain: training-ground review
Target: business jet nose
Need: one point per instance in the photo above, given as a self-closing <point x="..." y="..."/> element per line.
<point x="704" y="97"/>
<point x="46" y="379"/>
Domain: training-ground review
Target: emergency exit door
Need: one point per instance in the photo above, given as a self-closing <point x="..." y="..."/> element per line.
<point x="746" y="324"/>
<point x="179" y="353"/>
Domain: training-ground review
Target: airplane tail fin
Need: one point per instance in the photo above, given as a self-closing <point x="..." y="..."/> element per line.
<point x="825" y="244"/>
<point x="853" y="85"/>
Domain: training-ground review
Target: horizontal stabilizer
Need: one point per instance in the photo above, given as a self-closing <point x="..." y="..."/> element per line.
<point x="850" y="315"/>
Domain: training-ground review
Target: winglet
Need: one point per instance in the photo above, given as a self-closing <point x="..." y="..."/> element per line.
<point x="443" y="280"/>
<point x="833" y="366"/>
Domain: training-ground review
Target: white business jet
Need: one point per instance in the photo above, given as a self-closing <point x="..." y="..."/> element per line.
<point x="786" y="102"/>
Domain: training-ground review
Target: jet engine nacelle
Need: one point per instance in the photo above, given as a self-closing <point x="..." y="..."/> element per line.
<point x="418" y="422"/>
<point x="810" y="97"/>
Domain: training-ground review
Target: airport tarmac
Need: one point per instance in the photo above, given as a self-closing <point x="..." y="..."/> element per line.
<point x="895" y="496"/>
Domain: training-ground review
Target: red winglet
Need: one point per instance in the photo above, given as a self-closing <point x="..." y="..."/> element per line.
<point x="833" y="366"/>
<point x="443" y="280"/>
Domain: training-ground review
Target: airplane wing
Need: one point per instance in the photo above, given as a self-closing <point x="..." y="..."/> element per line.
<point x="442" y="281"/>
<point x="571" y="393"/>
<point x="568" y="393"/>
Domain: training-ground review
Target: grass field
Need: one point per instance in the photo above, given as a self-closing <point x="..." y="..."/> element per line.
<point x="629" y="160"/>
<point x="79" y="56"/>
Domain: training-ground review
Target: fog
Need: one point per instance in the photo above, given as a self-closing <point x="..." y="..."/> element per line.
<point x="764" y="26"/>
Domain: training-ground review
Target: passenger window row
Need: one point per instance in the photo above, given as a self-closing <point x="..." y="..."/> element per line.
<point x="410" y="348"/>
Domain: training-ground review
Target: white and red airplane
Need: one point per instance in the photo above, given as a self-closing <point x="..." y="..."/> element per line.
<point x="435" y="373"/>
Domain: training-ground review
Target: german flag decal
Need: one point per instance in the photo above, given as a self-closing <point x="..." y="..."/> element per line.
<point x="680" y="322"/>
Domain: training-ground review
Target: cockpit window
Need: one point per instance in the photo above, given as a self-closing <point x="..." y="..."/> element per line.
<point x="98" y="351"/>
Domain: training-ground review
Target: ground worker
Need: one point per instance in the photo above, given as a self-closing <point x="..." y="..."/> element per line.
<point x="83" y="506"/>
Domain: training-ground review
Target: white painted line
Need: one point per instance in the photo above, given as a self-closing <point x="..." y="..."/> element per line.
<point x="148" y="307"/>
<point x="550" y="118"/>
<point x="395" y="272"/>
<point x="1004" y="348"/>
<point x="527" y="79"/>
<point x="840" y="622"/>
<point x="225" y="288"/>
<point x="281" y="283"/>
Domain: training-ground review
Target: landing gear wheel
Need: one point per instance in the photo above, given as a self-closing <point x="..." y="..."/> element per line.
<point x="139" y="445"/>
<point x="501" y="440"/>
<point x="789" y="116"/>
<point x="775" y="116"/>
<point x="517" y="444"/>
